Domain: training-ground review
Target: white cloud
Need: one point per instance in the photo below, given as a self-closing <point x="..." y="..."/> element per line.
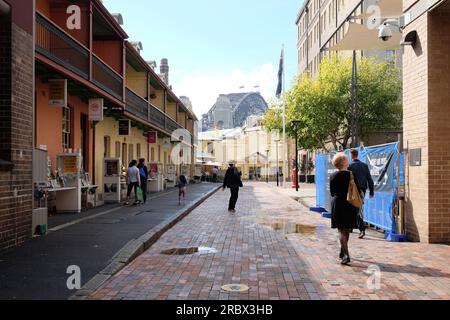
<point x="203" y="90"/>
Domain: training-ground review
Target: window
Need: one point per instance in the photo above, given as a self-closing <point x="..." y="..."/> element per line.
<point x="124" y="154"/>
<point x="152" y="154"/>
<point x="138" y="151"/>
<point x="66" y="128"/>
<point x="106" y="147"/>
<point x="159" y="154"/>
<point x="117" y="149"/>
<point x="165" y="158"/>
<point x="130" y="153"/>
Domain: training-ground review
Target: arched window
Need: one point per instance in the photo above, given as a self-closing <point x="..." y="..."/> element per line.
<point x="66" y="127"/>
<point x="124" y="155"/>
<point x="138" y="151"/>
<point x="152" y="154"/>
<point x="117" y="149"/>
<point x="130" y="153"/>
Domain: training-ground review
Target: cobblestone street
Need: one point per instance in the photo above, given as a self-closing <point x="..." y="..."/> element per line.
<point x="279" y="249"/>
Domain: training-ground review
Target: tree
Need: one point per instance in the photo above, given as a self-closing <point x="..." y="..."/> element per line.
<point x="322" y="105"/>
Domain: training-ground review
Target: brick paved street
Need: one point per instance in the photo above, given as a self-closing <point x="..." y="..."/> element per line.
<point x="258" y="247"/>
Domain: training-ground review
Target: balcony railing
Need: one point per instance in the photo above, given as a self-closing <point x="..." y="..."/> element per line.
<point x="59" y="47"/>
<point x="104" y="77"/>
<point x="136" y="104"/>
<point x="171" y="125"/>
<point x="157" y="117"/>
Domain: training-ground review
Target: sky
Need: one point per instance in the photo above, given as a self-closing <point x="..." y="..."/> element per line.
<point x="215" y="47"/>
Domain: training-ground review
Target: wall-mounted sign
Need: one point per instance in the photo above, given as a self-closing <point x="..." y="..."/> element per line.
<point x="167" y="144"/>
<point x="124" y="127"/>
<point x="69" y="165"/>
<point x="152" y="137"/>
<point x="57" y="93"/>
<point x="95" y="109"/>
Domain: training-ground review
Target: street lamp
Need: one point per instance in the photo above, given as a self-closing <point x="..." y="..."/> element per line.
<point x="277" y="141"/>
<point x="267" y="165"/>
<point x="296" y="124"/>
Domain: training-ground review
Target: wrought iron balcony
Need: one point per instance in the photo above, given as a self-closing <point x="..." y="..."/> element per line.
<point x="157" y="117"/>
<point x="104" y="77"/>
<point x="58" y="46"/>
<point x="136" y="105"/>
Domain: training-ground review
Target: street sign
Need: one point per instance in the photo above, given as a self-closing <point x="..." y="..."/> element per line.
<point x="124" y="127"/>
<point x="95" y="109"/>
<point x="57" y="93"/>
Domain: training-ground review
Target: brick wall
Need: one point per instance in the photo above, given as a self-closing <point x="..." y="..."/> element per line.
<point x="439" y="123"/>
<point x="415" y="123"/>
<point x="17" y="126"/>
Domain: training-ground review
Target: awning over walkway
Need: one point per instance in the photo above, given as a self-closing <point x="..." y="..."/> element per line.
<point x="383" y="9"/>
<point x="359" y="37"/>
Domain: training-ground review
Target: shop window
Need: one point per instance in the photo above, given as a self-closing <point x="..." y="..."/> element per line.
<point x="138" y="151"/>
<point x="107" y="147"/>
<point x="66" y="129"/>
<point x="159" y="154"/>
<point x="117" y="149"/>
<point x="152" y="154"/>
<point x="130" y="153"/>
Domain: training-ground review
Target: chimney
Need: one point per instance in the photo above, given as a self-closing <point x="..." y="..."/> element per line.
<point x="118" y="17"/>
<point x="164" y="70"/>
<point x="137" y="45"/>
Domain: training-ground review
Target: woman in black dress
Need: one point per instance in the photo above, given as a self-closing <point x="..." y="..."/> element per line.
<point x="344" y="215"/>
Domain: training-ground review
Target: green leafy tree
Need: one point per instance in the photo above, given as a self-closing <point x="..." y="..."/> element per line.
<point x="323" y="105"/>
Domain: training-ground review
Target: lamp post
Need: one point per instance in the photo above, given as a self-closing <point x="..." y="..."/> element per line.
<point x="277" y="141"/>
<point x="267" y="165"/>
<point x="296" y="124"/>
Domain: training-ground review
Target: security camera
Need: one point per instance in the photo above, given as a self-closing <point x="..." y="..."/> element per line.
<point x="384" y="33"/>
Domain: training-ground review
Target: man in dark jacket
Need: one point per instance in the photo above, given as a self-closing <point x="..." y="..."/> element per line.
<point x="362" y="173"/>
<point x="232" y="181"/>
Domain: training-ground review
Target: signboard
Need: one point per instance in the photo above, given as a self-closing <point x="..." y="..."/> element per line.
<point x="124" y="127"/>
<point x="153" y="170"/>
<point x="112" y="167"/>
<point x="95" y="109"/>
<point x="171" y="169"/>
<point x="69" y="165"/>
<point x="152" y="137"/>
<point x="166" y="144"/>
<point x="57" y="93"/>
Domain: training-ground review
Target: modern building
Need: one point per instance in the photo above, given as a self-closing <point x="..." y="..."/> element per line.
<point x="321" y="24"/>
<point x="232" y="110"/>
<point x="426" y="108"/>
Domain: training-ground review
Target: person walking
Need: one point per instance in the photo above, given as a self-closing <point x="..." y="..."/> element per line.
<point x="182" y="189"/>
<point x="232" y="181"/>
<point x="362" y="174"/>
<point x="143" y="173"/>
<point x="215" y="173"/>
<point x="133" y="179"/>
<point x="344" y="214"/>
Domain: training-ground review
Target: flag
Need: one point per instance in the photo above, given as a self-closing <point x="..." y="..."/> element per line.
<point x="280" y="75"/>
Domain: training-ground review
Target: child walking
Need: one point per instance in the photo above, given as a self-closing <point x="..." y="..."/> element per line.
<point x="182" y="187"/>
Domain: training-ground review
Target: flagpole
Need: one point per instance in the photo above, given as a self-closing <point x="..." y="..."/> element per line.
<point x="284" y="125"/>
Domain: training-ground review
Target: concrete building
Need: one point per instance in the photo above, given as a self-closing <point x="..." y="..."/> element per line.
<point x="232" y="110"/>
<point x="426" y="103"/>
<point x="321" y="23"/>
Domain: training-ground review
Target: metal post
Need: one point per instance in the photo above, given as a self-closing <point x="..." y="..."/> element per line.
<point x="354" y="102"/>
<point x="296" y="159"/>
<point x="278" y="166"/>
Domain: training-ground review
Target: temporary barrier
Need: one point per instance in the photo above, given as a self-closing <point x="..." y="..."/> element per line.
<point x="386" y="167"/>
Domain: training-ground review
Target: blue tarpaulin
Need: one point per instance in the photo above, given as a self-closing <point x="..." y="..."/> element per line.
<point x="386" y="166"/>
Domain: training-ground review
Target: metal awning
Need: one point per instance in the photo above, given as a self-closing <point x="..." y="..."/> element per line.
<point x="359" y="37"/>
<point x="383" y="9"/>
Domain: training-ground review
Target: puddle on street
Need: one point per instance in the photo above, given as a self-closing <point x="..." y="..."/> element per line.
<point x="189" y="251"/>
<point x="294" y="228"/>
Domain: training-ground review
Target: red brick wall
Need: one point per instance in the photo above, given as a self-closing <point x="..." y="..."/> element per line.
<point x="439" y="123"/>
<point x="16" y="184"/>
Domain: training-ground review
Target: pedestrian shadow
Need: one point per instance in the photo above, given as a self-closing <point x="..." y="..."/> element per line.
<point x="395" y="268"/>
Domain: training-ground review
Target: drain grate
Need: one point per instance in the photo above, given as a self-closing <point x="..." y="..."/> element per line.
<point x="235" y="288"/>
<point x="189" y="251"/>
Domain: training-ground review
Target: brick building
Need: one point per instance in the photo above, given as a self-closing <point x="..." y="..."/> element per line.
<point x="426" y="77"/>
<point x="16" y="121"/>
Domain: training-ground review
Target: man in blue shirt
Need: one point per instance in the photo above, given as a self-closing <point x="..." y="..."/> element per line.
<point x="362" y="173"/>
